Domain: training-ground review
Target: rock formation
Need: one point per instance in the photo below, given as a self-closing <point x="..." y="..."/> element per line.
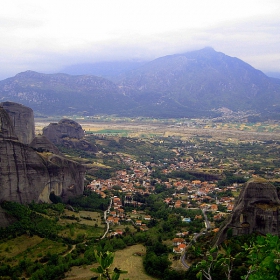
<point x="55" y="132"/>
<point x="22" y="120"/>
<point x="28" y="175"/>
<point x="257" y="210"/>
<point x="42" y="144"/>
<point x="70" y="134"/>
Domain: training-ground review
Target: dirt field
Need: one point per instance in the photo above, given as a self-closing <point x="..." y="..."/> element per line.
<point x="124" y="259"/>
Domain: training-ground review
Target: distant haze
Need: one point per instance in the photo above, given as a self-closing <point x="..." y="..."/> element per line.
<point x="48" y="36"/>
<point x="200" y="83"/>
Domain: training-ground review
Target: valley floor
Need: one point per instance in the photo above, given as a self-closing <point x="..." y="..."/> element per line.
<point x="219" y="131"/>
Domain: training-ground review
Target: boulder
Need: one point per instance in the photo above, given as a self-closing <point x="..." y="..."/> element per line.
<point x="42" y="144"/>
<point x="22" y="119"/>
<point x="7" y="131"/>
<point x="28" y="175"/>
<point x="256" y="211"/>
<point x="69" y="134"/>
<point x="65" y="128"/>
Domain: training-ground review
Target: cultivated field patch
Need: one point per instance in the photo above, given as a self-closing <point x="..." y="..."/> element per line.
<point x="13" y="247"/>
<point x="129" y="259"/>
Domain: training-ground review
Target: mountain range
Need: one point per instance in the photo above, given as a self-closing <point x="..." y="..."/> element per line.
<point x="192" y="84"/>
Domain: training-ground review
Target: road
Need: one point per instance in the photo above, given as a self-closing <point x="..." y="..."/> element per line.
<point x="207" y="226"/>
<point x="105" y="219"/>
<point x="207" y="223"/>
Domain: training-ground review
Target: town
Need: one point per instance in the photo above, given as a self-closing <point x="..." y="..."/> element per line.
<point x="127" y="185"/>
<point x="156" y="202"/>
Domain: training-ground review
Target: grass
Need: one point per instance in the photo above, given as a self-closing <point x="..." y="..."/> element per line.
<point x="30" y="247"/>
<point x="47" y="245"/>
<point x="83" y="226"/>
<point x="128" y="260"/>
<point x="125" y="259"/>
<point x="82" y="215"/>
<point x="122" y="132"/>
<point x="244" y="131"/>
<point x="16" y="246"/>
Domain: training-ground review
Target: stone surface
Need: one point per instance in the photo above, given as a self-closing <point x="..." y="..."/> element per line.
<point x="256" y="211"/>
<point x="65" y="128"/>
<point x="28" y="175"/>
<point x="69" y="134"/>
<point x="7" y="131"/>
<point x="22" y="119"/>
<point x="42" y="144"/>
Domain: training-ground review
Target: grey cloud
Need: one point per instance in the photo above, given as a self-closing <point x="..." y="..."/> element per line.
<point x="256" y="41"/>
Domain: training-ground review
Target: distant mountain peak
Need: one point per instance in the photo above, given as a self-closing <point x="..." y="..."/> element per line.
<point x="192" y="84"/>
<point x="208" y="49"/>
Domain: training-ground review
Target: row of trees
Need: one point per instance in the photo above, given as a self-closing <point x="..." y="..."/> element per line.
<point x="251" y="257"/>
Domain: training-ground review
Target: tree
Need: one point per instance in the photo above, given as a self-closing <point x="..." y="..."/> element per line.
<point x="226" y="260"/>
<point x="262" y="261"/>
<point x="215" y="259"/>
<point x="105" y="260"/>
<point x="205" y="266"/>
<point x="263" y="258"/>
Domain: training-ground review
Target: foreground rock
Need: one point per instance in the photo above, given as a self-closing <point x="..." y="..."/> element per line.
<point x="28" y="175"/>
<point x="22" y="121"/>
<point x="256" y="211"/>
<point x="42" y="144"/>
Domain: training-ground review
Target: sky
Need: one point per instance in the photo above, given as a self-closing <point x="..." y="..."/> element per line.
<point x="46" y="36"/>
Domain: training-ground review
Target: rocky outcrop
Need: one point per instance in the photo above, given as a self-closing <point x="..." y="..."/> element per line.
<point x="42" y="144"/>
<point x="70" y="134"/>
<point x="65" y="128"/>
<point x="22" y="119"/>
<point x="7" y="131"/>
<point x="65" y="178"/>
<point x="30" y="174"/>
<point x="257" y="210"/>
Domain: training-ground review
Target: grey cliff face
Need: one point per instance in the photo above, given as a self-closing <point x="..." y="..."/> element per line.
<point x="65" y="128"/>
<point x="43" y="144"/>
<point x="70" y="134"/>
<point x="257" y="210"/>
<point x="27" y="175"/>
<point x="7" y="131"/>
<point x="22" y="119"/>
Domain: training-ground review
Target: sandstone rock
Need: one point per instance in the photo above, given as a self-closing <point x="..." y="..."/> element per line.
<point x="22" y="119"/>
<point x="7" y="131"/>
<point x="65" y="128"/>
<point x="66" y="179"/>
<point x="81" y="144"/>
<point x="70" y="134"/>
<point x="27" y="175"/>
<point x="257" y="210"/>
<point x="42" y="144"/>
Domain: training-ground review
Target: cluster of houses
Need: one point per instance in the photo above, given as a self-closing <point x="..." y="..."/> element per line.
<point x="187" y="193"/>
<point x="179" y="243"/>
<point x="137" y="179"/>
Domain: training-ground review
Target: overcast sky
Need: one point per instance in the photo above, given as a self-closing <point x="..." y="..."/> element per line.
<point x="46" y="36"/>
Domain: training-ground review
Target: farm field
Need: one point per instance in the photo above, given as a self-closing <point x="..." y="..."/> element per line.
<point x="31" y="247"/>
<point x="217" y="131"/>
<point x="175" y="154"/>
<point x="127" y="259"/>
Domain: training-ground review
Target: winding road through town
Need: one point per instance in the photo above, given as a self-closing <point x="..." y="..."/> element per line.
<point x="105" y="218"/>
<point x="207" y="226"/>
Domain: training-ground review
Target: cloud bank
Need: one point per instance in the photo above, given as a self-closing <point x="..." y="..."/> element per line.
<point x="46" y="36"/>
